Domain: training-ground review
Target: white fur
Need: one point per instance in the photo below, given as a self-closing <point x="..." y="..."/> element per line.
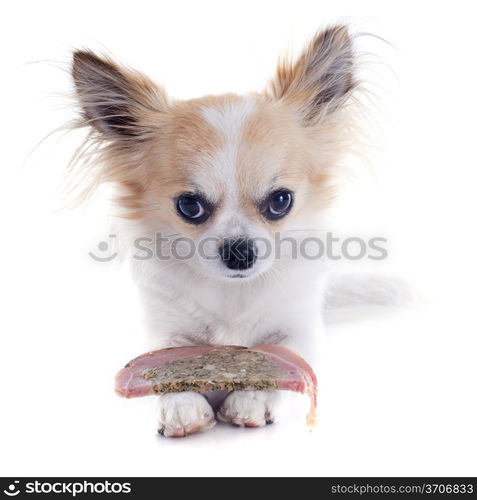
<point x="346" y="290"/>
<point x="249" y="408"/>
<point x="229" y="121"/>
<point x="184" y="413"/>
<point x="185" y="308"/>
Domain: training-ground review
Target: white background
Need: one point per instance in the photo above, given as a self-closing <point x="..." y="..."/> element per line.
<point x="399" y="395"/>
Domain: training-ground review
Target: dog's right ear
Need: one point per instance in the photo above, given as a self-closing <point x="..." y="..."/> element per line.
<point x="119" y="103"/>
<point x="322" y="79"/>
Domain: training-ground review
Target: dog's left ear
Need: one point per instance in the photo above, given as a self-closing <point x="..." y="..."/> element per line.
<point x="321" y="80"/>
<point x="123" y="105"/>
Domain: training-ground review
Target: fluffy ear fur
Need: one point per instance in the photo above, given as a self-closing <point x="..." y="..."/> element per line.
<point x="124" y="111"/>
<point x="119" y="103"/>
<point x="321" y="79"/>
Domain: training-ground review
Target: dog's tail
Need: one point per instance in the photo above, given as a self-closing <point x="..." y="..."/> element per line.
<point x="348" y="295"/>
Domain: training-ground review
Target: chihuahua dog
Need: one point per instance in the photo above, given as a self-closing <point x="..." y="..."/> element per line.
<point x="228" y="184"/>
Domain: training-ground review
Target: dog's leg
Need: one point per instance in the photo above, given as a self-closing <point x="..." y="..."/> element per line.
<point x="258" y="408"/>
<point x="184" y="413"/>
<point x="249" y="408"/>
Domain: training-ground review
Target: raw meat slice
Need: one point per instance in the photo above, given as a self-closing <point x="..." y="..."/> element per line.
<point x="216" y="368"/>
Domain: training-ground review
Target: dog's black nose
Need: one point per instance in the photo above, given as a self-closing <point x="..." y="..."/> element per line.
<point x="238" y="254"/>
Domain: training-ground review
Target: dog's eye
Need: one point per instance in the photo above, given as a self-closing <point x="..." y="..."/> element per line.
<point x="192" y="208"/>
<point x="278" y="204"/>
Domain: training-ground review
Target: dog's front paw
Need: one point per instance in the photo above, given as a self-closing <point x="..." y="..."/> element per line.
<point x="249" y="408"/>
<point x="184" y="413"/>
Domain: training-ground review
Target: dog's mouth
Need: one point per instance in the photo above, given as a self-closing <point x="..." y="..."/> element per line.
<point x="245" y="274"/>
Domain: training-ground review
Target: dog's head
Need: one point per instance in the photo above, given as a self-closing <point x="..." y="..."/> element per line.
<point x="223" y="174"/>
